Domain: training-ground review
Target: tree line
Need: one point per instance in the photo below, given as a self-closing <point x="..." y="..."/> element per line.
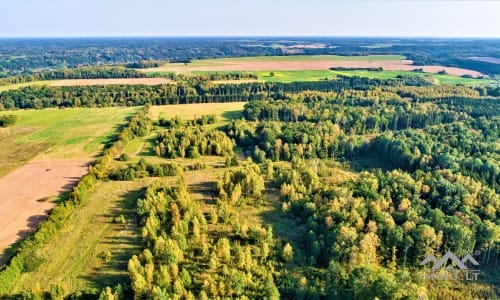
<point x="197" y="91"/>
<point x="76" y="73"/>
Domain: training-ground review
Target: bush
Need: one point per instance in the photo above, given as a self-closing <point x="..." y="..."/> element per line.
<point x="199" y="166"/>
<point x="124" y="157"/>
<point x="8" y="120"/>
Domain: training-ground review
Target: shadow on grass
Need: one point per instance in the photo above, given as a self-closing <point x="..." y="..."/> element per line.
<point x="122" y="245"/>
<point x="367" y="162"/>
<point x="149" y="146"/>
<point x="286" y="229"/>
<point x="232" y="115"/>
<point x="207" y="191"/>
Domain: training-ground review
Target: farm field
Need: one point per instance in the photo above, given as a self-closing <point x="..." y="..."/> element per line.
<point x="45" y="154"/>
<point x="224" y="111"/>
<point x="25" y="84"/>
<point x="70" y="133"/>
<point x="14" y="154"/>
<point x="89" y="82"/>
<point x="315" y="75"/>
<point x="319" y="62"/>
<point x="110" y="81"/>
<point x="25" y="195"/>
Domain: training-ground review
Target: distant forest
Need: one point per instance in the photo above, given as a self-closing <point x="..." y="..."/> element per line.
<point x="23" y="56"/>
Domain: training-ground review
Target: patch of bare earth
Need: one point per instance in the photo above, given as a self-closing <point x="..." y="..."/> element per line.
<point x="22" y="193"/>
<point x="111" y="81"/>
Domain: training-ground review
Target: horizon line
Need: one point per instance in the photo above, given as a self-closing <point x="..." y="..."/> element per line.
<point x="249" y="36"/>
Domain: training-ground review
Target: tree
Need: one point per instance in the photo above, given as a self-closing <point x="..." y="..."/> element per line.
<point x="287" y="252"/>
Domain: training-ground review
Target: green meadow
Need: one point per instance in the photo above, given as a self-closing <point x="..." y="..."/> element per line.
<point x="8" y="87"/>
<point x="315" y="75"/>
<point x="69" y="133"/>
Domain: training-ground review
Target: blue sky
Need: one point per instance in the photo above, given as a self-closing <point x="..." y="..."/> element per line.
<point x="54" y="18"/>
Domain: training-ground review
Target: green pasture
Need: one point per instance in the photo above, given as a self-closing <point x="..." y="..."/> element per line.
<point x="72" y="132"/>
<point x="299" y="75"/>
<point x="8" y="87"/>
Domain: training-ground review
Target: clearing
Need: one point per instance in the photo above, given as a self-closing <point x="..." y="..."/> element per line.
<point x="224" y="112"/>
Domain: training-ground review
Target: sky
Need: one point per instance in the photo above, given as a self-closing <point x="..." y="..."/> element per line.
<point x="88" y="18"/>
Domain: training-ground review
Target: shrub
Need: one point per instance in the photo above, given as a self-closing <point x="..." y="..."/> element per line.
<point x="8" y="120"/>
<point x="124" y="157"/>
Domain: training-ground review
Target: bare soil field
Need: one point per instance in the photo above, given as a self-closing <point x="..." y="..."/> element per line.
<point x="111" y="81"/>
<point x="321" y="63"/>
<point x="492" y="60"/>
<point x="21" y="192"/>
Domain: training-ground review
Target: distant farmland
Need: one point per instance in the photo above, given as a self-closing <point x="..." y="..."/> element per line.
<point x="89" y="82"/>
<point x="303" y="62"/>
<point x="110" y="81"/>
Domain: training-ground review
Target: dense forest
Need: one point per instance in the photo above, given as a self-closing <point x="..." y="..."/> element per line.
<point x="357" y="181"/>
<point x="23" y="56"/>
<point x="359" y="239"/>
<point x="202" y="90"/>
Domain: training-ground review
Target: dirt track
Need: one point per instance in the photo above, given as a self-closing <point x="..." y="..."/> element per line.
<point x="20" y="212"/>
<point x="111" y="81"/>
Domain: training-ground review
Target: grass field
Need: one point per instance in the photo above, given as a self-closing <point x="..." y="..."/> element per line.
<point x="21" y="85"/>
<point x="70" y="133"/>
<point x="88" y="82"/>
<point x="300" y="63"/>
<point x="439" y="78"/>
<point x="73" y="257"/>
<point x="111" y="81"/>
<point x="314" y="58"/>
<point x="13" y="155"/>
<point x="297" y="62"/>
<point x="224" y="111"/>
<point x="315" y="75"/>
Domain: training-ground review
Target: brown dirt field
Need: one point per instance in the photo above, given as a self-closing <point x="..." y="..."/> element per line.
<point x="237" y="65"/>
<point x="111" y="81"/>
<point x="20" y="210"/>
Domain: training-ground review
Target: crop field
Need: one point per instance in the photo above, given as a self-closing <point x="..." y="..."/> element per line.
<point x="224" y="111"/>
<point x="110" y="81"/>
<point x="315" y="75"/>
<point x="25" y="195"/>
<point x="89" y="82"/>
<point x="25" y="84"/>
<point x="71" y="133"/>
<point x="43" y="155"/>
<point x="304" y="62"/>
